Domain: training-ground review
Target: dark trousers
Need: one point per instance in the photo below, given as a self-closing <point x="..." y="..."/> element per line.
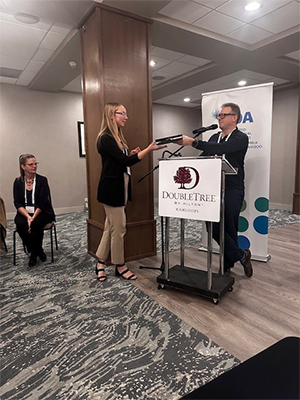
<point x="233" y="205"/>
<point x="33" y="240"/>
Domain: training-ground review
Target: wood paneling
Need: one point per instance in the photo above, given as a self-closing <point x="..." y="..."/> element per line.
<point x="115" y="59"/>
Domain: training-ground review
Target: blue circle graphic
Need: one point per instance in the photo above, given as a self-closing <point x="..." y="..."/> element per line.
<point x="243" y="242"/>
<point x="260" y="224"/>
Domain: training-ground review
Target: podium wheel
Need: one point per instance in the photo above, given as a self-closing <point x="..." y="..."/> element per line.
<point x="160" y="286"/>
<point x="216" y="301"/>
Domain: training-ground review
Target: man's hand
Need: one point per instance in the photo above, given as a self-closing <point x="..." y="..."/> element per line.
<point x="185" y="141"/>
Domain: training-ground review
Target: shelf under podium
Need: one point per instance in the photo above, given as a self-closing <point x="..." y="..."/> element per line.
<point x="195" y="281"/>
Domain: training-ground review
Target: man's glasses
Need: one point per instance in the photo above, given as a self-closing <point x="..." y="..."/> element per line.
<point x="121" y="113"/>
<point x="223" y="115"/>
<point x="33" y="164"/>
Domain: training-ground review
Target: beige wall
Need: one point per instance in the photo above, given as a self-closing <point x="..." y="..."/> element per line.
<point x="283" y="148"/>
<point x="45" y="124"/>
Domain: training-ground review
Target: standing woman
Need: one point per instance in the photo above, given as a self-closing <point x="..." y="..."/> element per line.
<point x="34" y="209"/>
<point x="115" y="187"/>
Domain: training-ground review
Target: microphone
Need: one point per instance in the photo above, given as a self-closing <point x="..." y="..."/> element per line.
<point x="204" y="129"/>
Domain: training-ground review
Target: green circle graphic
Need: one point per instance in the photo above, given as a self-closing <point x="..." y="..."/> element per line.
<point x="262" y="204"/>
<point x="244" y="206"/>
<point x="243" y="224"/>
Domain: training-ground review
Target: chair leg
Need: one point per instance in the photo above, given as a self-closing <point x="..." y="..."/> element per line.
<point x="55" y="236"/>
<point x="51" y="239"/>
<point x="14" y="247"/>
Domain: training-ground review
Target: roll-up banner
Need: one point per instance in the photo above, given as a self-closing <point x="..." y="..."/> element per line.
<point x="256" y="121"/>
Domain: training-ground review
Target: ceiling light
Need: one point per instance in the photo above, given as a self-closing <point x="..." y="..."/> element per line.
<point x="242" y="83"/>
<point x="152" y="63"/>
<point x="187" y="99"/>
<point x="26" y="18"/>
<point x="73" y="64"/>
<point x="254" y="5"/>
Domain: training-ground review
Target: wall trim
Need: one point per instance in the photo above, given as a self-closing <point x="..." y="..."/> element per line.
<point x="279" y="206"/>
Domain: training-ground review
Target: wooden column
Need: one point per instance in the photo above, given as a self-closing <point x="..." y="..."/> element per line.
<point x="115" y="67"/>
<point x="296" y="194"/>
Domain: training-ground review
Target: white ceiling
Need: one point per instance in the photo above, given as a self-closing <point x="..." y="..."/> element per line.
<point x="198" y="45"/>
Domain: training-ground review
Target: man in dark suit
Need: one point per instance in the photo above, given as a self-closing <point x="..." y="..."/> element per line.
<point x="234" y="144"/>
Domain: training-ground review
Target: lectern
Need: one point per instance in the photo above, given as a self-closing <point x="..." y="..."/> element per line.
<point x="194" y="188"/>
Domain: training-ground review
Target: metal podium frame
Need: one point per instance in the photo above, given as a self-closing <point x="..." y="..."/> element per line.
<point x="204" y="283"/>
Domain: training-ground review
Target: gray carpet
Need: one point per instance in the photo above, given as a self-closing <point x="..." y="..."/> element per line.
<point x="66" y="336"/>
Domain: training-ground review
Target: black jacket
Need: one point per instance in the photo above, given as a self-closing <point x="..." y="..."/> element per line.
<point x="42" y="196"/>
<point x="111" y="189"/>
<point x="235" y="149"/>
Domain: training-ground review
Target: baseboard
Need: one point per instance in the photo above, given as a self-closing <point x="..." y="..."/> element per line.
<point x="280" y="206"/>
<point x="58" y="211"/>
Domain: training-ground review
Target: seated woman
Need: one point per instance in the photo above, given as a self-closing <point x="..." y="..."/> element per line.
<point x="34" y="209"/>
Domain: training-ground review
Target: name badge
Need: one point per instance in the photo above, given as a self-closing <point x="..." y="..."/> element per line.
<point x="30" y="209"/>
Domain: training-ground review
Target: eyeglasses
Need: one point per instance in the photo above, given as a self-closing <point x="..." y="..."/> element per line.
<point x="33" y="164"/>
<point x="223" y="115"/>
<point x="123" y="113"/>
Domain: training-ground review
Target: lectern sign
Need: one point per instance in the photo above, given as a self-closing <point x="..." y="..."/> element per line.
<point x="190" y="188"/>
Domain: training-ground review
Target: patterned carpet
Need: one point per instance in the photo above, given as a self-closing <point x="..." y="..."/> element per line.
<point x="66" y="336"/>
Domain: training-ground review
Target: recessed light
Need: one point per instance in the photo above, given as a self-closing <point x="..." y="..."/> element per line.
<point x="254" y="5"/>
<point x="26" y="18"/>
<point x="242" y="83"/>
<point x="152" y="63"/>
<point x="187" y="99"/>
<point x="73" y="64"/>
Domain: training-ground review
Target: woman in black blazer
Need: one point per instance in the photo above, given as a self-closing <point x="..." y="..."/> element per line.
<point x="114" y="187"/>
<point x="32" y="200"/>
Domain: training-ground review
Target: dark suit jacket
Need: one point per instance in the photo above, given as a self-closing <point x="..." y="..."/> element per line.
<point x="111" y="189"/>
<point x="42" y="196"/>
<point x="235" y="149"/>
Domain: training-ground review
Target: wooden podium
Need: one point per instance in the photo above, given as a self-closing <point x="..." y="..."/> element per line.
<point x="115" y="47"/>
<point x="200" y="196"/>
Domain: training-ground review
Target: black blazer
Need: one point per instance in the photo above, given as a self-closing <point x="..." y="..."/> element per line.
<point x="42" y="196"/>
<point x="235" y="149"/>
<point x="111" y="190"/>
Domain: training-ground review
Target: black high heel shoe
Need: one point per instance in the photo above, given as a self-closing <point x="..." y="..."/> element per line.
<point x="131" y="277"/>
<point x="103" y="277"/>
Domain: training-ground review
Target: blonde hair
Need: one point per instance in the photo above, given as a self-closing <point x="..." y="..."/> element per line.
<point x="109" y="123"/>
<point x="22" y="161"/>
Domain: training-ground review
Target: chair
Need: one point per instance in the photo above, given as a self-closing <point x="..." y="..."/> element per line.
<point x="51" y="227"/>
<point x="3" y="224"/>
<point x="2" y="237"/>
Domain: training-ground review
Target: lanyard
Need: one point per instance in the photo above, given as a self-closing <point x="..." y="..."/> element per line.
<point x="33" y="192"/>
<point x="226" y="137"/>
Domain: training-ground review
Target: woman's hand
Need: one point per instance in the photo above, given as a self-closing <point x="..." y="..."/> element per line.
<point x="29" y="220"/>
<point x="134" y="151"/>
<point x="153" y="146"/>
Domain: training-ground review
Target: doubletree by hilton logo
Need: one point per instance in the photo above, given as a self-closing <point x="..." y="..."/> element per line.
<point x="184" y="178"/>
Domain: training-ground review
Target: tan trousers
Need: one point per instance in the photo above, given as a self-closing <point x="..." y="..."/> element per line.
<point x="114" y="231"/>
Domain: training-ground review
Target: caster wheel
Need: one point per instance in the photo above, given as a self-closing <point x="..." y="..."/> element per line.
<point x="216" y="301"/>
<point x="160" y="286"/>
<point x="230" y="289"/>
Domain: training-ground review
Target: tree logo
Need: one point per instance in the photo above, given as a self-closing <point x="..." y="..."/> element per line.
<point x="184" y="177"/>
